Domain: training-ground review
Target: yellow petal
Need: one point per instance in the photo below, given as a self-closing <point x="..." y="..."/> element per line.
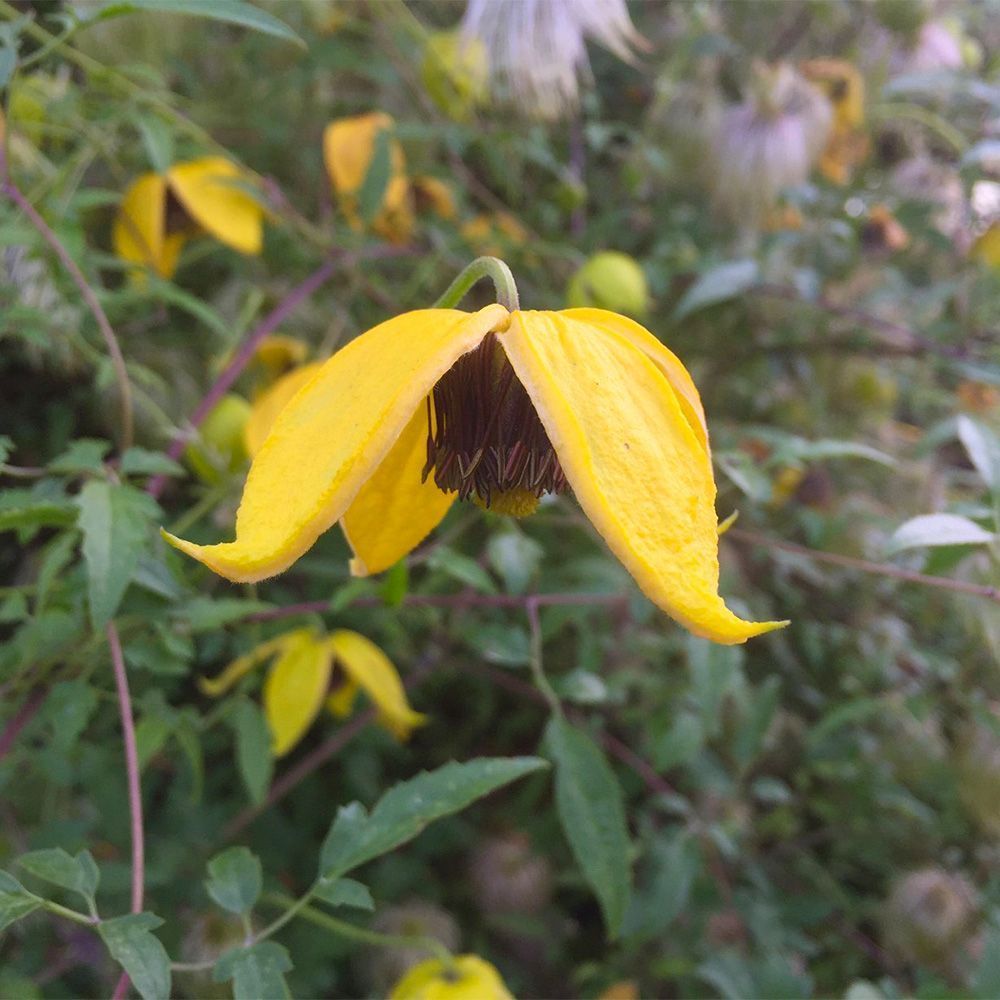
<point x="335" y="433"/>
<point x="265" y="409"/>
<point x="633" y="461"/>
<point x="466" y="977"/>
<point x="208" y="189"/>
<point x="279" y="354"/>
<point x="242" y="665"/>
<point x="664" y="359"/>
<point x="987" y="247"/>
<point x="295" y="689"/>
<point x="137" y="233"/>
<point x="435" y="195"/>
<point x="372" y="671"/>
<point x="348" y="147"/>
<point x="395" y="511"/>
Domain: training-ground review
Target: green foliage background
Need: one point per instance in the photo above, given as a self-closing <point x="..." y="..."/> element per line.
<point x="779" y="797"/>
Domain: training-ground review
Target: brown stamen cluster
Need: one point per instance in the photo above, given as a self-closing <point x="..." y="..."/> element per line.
<point x="484" y="437"/>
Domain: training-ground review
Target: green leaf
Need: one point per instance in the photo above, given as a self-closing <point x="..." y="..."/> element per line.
<point x="461" y="568"/>
<point x="516" y="558"/>
<point x="158" y="140"/>
<point x="986" y="978"/>
<point x="206" y="615"/>
<point x="929" y="530"/>
<point x="405" y="810"/>
<point x="82" y="456"/>
<point x="592" y="814"/>
<point x="257" y="972"/>
<point x="983" y="449"/>
<point x="238" y="12"/>
<point x="6" y="448"/>
<point x="40" y="514"/>
<point x="395" y="584"/>
<point x="253" y="749"/>
<point x="68" y="708"/>
<point x="344" y="892"/>
<point x="143" y="462"/>
<point x="14" y="906"/>
<point x="116" y="522"/>
<point x="505" y="644"/>
<point x="78" y="873"/>
<point x="236" y="879"/>
<point x="139" y="953"/>
<point x="376" y="182"/>
<point x="719" y="283"/>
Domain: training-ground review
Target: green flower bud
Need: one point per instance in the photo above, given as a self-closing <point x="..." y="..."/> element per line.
<point x="610" y="280"/>
<point x="219" y="449"/>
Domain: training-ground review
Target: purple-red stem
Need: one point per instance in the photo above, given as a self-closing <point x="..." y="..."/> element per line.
<point x="20" y="719"/>
<point x="134" y="790"/>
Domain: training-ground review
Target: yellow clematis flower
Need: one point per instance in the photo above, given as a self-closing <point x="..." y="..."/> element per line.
<point x="847" y="145"/>
<point x="279" y="354"/>
<point x="271" y="402"/>
<point x="298" y="683"/>
<point x="160" y="212"/>
<point x="500" y="408"/>
<point x="466" y="977"/>
<point x="349" y="146"/>
<point x="987" y="246"/>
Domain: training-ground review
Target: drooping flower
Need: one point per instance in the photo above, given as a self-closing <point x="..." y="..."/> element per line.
<point x="279" y="354"/>
<point x="497" y="407"/>
<point x="271" y="402"/>
<point x="767" y="143"/>
<point x="537" y="48"/>
<point x="844" y="88"/>
<point x="298" y="683"/>
<point x="161" y="212"/>
<point x="465" y="977"/>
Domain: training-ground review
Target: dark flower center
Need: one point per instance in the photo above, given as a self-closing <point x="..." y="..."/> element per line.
<point x="485" y="440"/>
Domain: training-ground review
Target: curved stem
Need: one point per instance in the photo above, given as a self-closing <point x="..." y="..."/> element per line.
<point x="482" y="267"/>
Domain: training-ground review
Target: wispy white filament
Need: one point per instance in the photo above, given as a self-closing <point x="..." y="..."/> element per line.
<point x="537" y="48"/>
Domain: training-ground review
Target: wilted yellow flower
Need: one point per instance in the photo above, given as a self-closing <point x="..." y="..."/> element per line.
<point x="466" y="977"/>
<point x="160" y="212"/>
<point x="483" y="232"/>
<point x="349" y="147"/>
<point x="431" y="194"/>
<point x="298" y="683"/>
<point x="497" y="407"/>
<point x="279" y="354"/>
<point x="844" y="87"/>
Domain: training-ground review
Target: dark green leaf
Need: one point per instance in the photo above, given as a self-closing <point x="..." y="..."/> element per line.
<point x="238" y="12"/>
<point x="409" y="807"/>
<point x="78" y="873"/>
<point x="592" y="814"/>
<point x="253" y="749"/>
<point x="14" y="906"/>
<point x="344" y="892"/>
<point x="37" y="514"/>
<point x="206" y="615"/>
<point x="68" y="708"/>
<point x="505" y="644"/>
<point x="257" y="972"/>
<point x="395" y="584"/>
<point x="236" y="879"/>
<point x="139" y="953"/>
<point x="84" y="455"/>
<point x="116" y="522"/>
<point x="516" y="558"/>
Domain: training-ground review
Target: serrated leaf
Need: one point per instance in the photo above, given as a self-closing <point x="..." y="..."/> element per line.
<point x="717" y="284"/>
<point x="83" y="455"/>
<point x="237" y="12"/>
<point x="139" y="952"/>
<point x="344" y="892"/>
<point x="236" y="879"/>
<point x="592" y="813"/>
<point x="930" y="530"/>
<point x="143" y="462"/>
<point x="405" y="810"/>
<point x="257" y="972"/>
<point x="115" y="521"/>
<point x="253" y="749"/>
<point x="373" y="188"/>
<point x="54" y="865"/>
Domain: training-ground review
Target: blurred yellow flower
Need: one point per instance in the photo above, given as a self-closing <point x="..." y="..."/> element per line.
<point x="431" y="194"/>
<point x="466" y="977"/>
<point x="160" y="212"/>
<point x="987" y="247"/>
<point x="844" y="87"/>
<point x="298" y="683"/>
<point x="486" y="233"/>
<point x="497" y="407"/>
<point x="279" y="354"/>
<point x="349" y="147"/>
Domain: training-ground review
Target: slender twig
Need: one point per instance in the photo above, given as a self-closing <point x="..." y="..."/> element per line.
<point x="459" y="601"/>
<point x="535" y="655"/>
<point x="20" y="719"/>
<point x="867" y="566"/>
<point x="10" y="190"/>
<point x="134" y="790"/>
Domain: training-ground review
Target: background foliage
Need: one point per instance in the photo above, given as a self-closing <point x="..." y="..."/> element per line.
<point x="813" y="814"/>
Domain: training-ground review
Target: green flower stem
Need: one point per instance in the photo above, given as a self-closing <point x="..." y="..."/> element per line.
<point x="65" y="911"/>
<point x="535" y="655"/>
<point x="363" y="934"/>
<point x="482" y="267"/>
